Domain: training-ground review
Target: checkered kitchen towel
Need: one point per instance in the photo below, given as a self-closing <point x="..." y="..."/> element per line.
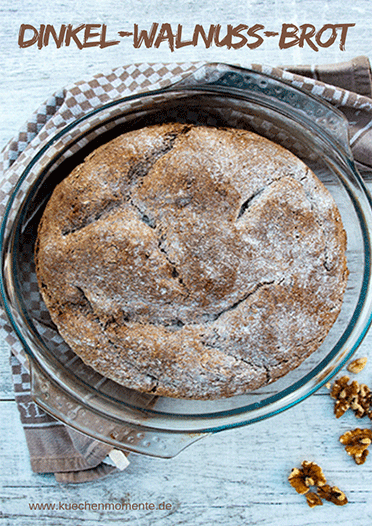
<point x="53" y="446"/>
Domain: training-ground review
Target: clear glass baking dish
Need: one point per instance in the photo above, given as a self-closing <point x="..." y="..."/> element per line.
<point x="216" y="94"/>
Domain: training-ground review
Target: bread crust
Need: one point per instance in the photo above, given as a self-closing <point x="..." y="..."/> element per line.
<point x="192" y="261"/>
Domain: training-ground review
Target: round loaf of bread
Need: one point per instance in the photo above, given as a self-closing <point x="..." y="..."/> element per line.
<point x="191" y="261"/>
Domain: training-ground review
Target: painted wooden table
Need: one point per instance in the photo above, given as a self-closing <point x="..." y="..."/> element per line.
<point x="237" y="477"/>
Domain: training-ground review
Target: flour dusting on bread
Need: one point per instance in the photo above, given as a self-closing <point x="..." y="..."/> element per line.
<point x="192" y="261"/>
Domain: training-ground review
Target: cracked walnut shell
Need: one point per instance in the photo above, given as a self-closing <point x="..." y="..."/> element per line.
<point x="356" y="443"/>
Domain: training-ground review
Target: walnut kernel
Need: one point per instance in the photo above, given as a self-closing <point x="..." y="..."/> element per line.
<point x="357" y="365"/>
<point x="313" y="499"/>
<point x="297" y="481"/>
<point x="356" y="443"/>
<point x="362" y="406"/>
<point x="313" y="473"/>
<point x="310" y="475"/>
<point x="354" y="395"/>
<point x="332" y="494"/>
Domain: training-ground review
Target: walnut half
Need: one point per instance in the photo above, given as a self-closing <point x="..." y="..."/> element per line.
<point x="310" y="475"/>
<point x="332" y="494"/>
<point x="351" y="395"/>
<point x="356" y="443"/>
<point x="357" y="365"/>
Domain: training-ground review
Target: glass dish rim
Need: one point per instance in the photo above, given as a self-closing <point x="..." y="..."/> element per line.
<point x="241" y="410"/>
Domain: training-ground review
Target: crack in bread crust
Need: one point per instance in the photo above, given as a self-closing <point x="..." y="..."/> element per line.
<point x="192" y="262"/>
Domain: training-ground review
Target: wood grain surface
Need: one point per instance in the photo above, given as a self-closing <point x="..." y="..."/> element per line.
<point x="236" y="477"/>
